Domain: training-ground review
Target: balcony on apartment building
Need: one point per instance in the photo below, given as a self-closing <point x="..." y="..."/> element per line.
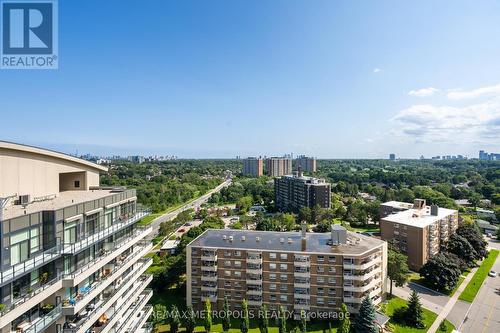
<point x="115" y="252"/>
<point x="209" y="255"/>
<point x="138" y="312"/>
<point x="360" y="275"/>
<point x="74" y="305"/>
<point x="209" y="276"/>
<point x="363" y="264"/>
<point x="41" y="323"/>
<point x="254" y="268"/>
<point x="365" y="286"/>
<point x="45" y="287"/>
<point x="254" y="279"/>
<point x="210" y="295"/>
<point x="301" y="293"/>
<point x="303" y="272"/>
<point x="209" y="266"/>
<point x="254" y="258"/>
<point x="93" y="237"/>
<point x="209" y="286"/>
<point x="254" y="290"/>
<point x="94" y="312"/>
<point x="301" y="282"/>
<point x="301" y="261"/>
<point x="254" y="300"/>
<point x="302" y="304"/>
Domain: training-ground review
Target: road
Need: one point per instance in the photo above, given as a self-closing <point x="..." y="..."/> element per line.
<point x="484" y="313"/>
<point x="193" y="204"/>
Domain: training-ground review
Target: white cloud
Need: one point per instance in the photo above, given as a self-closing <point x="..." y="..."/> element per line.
<point x="478" y="123"/>
<point x="424" y="92"/>
<point x="475" y="93"/>
<point x="377" y="70"/>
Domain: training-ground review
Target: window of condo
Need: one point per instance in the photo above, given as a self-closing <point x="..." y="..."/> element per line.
<point x="284" y="256"/>
<point x="272" y="266"/>
<point x="283" y="298"/>
<point x="227" y="284"/>
<point x="331" y="280"/>
<point x="237" y="253"/>
<point x="227" y="273"/>
<point x="331" y="259"/>
<point x="70" y="232"/>
<point x="320" y="279"/>
<point x="227" y="253"/>
<point x="331" y="269"/>
<point x="92" y="224"/>
<point x="227" y="263"/>
<point x="19" y="247"/>
<point x="320" y="300"/>
<point x="283" y="277"/>
<point x="272" y="286"/>
<point x="237" y="274"/>
<point x="321" y="258"/>
<point x="237" y="264"/>
<point x="283" y="267"/>
<point x="283" y="287"/>
<point x="321" y="269"/>
<point x="272" y="276"/>
<point x="272" y="255"/>
<point x="77" y="183"/>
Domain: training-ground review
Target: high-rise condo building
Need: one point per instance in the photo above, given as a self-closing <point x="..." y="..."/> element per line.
<point x="253" y="166"/>
<point x="292" y="192"/>
<point x="392" y="157"/>
<point x="307" y="164"/>
<point x="72" y="251"/>
<point x="419" y="230"/>
<point x="314" y="272"/>
<point x="278" y="166"/>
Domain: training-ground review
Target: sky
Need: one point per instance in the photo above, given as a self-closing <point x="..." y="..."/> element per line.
<point x="331" y="79"/>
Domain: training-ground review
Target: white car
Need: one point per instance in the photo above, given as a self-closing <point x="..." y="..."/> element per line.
<point x="492" y="273"/>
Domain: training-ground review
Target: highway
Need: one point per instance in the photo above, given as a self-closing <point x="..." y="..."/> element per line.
<point x="193" y="204"/>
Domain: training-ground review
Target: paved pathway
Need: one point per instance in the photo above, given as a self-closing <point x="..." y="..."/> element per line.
<point x="451" y="303"/>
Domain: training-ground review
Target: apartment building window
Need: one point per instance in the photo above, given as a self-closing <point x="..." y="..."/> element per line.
<point x="77" y="183"/>
<point x="227" y="294"/>
<point x="272" y="255"/>
<point x="237" y="294"/>
<point x="283" y="256"/>
<point x="227" y="253"/>
<point x="331" y="302"/>
<point x="227" y="273"/>
<point x="22" y="244"/>
<point x="272" y="298"/>
<point x="92" y="223"/>
<point x="283" y="298"/>
<point x="272" y="276"/>
<point x="320" y="301"/>
<point x="272" y="286"/>
<point x="283" y="277"/>
<point x="237" y="284"/>
<point x="194" y="282"/>
<point x="331" y="280"/>
<point x="283" y="287"/>
<point x="227" y="284"/>
<point x="320" y="279"/>
<point x="237" y="264"/>
<point x="194" y="251"/>
<point x="70" y="232"/>
<point x="331" y="292"/>
<point x="331" y="269"/>
<point x="227" y="263"/>
<point x="321" y="269"/>
<point x="237" y="274"/>
<point x="272" y="266"/>
<point x="283" y="267"/>
<point x="194" y="261"/>
<point x="321" y="291"/>
<point x="321" y="258"/>
<point x="194" y="270"/>
<point x="331" y="259"/>
<point x="237" y="253"/>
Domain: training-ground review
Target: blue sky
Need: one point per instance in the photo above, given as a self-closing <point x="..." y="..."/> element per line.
<point x="333" y="79"/>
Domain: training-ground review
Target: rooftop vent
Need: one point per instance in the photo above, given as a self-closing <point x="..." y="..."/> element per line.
<point x="257" y="239"/>
<point x="230" y="238"/>
<point x="289" y="240"/>
<point x="282" y="240"/>
<point x="339" y="234"/>
<point x="434" y="210"/>
<point x="243" y="238"/>
<point x="224" y="237"/>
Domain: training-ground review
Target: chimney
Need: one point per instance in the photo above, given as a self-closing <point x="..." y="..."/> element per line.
<point x="419" y="204"/>
<point x="303" y="235"/>
<point x="434" y="210"/>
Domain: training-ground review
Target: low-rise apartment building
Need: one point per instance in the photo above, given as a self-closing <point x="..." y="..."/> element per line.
<point x="315" y="272"/>
<point x="292" y="192"/>
<point x="72" y="252"/>
<point x="419" y="230"/>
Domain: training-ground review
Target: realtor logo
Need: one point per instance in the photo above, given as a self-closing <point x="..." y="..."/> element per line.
<point x="29" y="34"/>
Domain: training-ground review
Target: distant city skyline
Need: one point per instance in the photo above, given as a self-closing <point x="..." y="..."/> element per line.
<point x="220" y="79"/>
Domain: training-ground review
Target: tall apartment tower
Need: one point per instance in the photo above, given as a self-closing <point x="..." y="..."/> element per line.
<point x="253" y="167"/>
<point x="314" y="272"/>
<point x="419" y="230"/>
<point x="307" y="164"/>
<point x="72" y="252"/>
<point x="278" y="166"/>
<point x="292" y="192"/>
<point x="392" y="157"/>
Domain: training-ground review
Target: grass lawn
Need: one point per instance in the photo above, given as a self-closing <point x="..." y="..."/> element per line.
<point x="416" y="278"/>
<point x="393" y="309"/>
<point x="477" y="280"/>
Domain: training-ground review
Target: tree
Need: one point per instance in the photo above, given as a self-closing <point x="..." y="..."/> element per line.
<point x="245" y="323"/>
<point x="345" y="322"/>
<point x="244" y="204"/>
<point x="414" y="313"/>
<point x="159" y="315"/>
<point x="174" y="319"/>
<point x="473" y="235"/>
<point x="305" y="214"/>
<point x="441" y="272"/>
<point x="303" y="321"/>
<point x="282" y="320"/>
<point x="461" y="247"/>
<point x="397" y="268"/>
<point x="190" y="321"/>
<point x="365" y="320"/>
<point x="263" y="319"/>
<point x="226" y="321"/>
<point x="207" y="322"/>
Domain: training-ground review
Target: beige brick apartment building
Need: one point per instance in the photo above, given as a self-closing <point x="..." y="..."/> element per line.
<point x="420" y="231"/>
<point x="315" y="272"/>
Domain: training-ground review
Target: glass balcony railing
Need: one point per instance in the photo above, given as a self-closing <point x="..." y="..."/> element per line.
<point x="88" y="240"/>
<point x="45" y="321"/>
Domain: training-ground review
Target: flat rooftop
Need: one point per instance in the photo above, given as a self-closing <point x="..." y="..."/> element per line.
<point x="419" y="217"/>
<point x="270" y="241"/>
<point x="398" y="204"/>
<point x="61" y="200"/>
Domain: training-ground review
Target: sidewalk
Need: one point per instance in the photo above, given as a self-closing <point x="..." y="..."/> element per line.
<point x="451" y="303"/>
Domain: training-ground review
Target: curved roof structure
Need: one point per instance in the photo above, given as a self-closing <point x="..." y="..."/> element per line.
<point x="50" y="153"/>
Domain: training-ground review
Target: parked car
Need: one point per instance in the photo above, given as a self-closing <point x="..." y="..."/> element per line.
<point x="492" y="273"/>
